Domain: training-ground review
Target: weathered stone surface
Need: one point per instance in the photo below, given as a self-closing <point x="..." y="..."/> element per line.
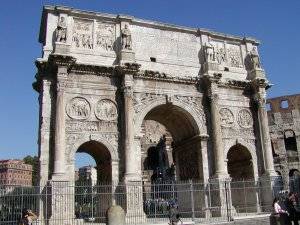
<point x="115" y="215"/>
<point x="107" y="74"/>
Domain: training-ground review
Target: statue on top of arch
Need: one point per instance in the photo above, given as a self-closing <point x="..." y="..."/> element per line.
<point x="209" y="52"/>
<point x="126" y="38"/>
<point x="254" y="59"/>
<point x="61" y="30"/>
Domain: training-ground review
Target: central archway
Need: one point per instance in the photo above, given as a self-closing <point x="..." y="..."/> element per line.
<point x="176" y="150"/>
<point x="181" y="130"/>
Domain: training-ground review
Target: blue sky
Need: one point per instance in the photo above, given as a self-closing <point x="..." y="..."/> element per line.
<point x="275" y="23"/>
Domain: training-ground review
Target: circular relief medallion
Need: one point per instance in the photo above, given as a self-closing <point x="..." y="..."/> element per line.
<point x="78" y="108"/>
<point x="245" y="118"/>
<point x="226" y="117"/>
<point x="106" y="110"/>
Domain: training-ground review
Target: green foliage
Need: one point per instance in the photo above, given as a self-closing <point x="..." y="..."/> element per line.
<point x="34" y="161"/>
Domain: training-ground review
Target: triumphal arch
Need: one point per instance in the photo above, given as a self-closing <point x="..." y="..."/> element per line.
<point x="110" y="84"/>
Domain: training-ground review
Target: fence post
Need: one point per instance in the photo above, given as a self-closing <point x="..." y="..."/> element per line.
<point x="192" y="199"/>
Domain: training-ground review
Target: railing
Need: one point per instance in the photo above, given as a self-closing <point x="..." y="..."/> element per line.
<point x="143" y="203"/>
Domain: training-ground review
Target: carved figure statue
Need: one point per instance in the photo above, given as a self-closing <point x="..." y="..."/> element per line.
<point x="254" y="59"/>
<point x="209" y="52"/>
<point x="161" y="147"/>
<point x="61" y="30"/>
<point x="126" y="38"/>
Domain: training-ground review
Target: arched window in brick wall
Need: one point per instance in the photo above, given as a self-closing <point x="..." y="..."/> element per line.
<point x="290" y="140"/>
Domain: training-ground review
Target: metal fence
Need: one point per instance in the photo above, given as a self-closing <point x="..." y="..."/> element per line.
<point x="67" y="203"/>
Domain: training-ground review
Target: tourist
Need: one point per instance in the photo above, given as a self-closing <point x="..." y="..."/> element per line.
<point x="27" y="217"/>
<point x="290" y="204"/>
<point x="280" y="213"/>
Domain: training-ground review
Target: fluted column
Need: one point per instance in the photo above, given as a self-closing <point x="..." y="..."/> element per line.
<point x="264" y="133"/>
<point x="130" y="171"/>
<point x="220" y="169"/>
<point x="59" y="145"/>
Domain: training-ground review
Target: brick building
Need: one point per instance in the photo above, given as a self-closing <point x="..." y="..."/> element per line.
<point x="15" y="172"/>
<point x="284" y="123"/>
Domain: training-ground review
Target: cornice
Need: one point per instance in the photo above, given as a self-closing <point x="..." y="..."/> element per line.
<point x="155" y="75"/>
<point x="92" y="70"/>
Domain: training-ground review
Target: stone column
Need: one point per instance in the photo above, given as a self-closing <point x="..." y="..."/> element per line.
<point x="267" y="179"/>
<point x="130" y="172"/>
<point x="264" y="134"/>
<point x="59" y="146"/>
<point x="220" y="168"/>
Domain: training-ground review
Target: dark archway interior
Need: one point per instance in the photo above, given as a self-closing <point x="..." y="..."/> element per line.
<point x="102" y="157"/>
<point x="240" y="165"/>
<point x="177" y="120"/>
<point x="182" y="128"/>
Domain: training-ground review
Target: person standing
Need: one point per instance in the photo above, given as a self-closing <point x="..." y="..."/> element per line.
<point x="290" y="203"/>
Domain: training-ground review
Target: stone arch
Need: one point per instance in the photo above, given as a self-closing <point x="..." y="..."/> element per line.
<point x="240" y="163"/>
<point x="197" y="117"/>
<point x="250" y="147"/>
<point x="294" y="180"/>
<point x="106" y="144"/>
<point x="112" y="150"/>
<point x="185" y="126"/>
<point x="290" y="142"/>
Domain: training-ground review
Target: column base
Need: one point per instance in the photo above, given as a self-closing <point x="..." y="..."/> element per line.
<point x="221" y="196"/>
<point x="132" y="177"/>
<point x="266" y="191"/>
<point x="59" y="177"/>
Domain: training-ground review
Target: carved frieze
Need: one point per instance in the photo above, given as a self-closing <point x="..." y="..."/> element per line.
<point x="82" y="36"/>
<point x="82" y="126"/>
<point x="142" y="100"/>
<point x="234" y="55"/>
<point x="78" y="108"/>
<point x="105" y="36"/>
<point x="244" y="118"/>
<point x="195" y="103"/>
<point x="226" y="117"/>
<point x="106" y="110"/>
<point x="232" y="132"/>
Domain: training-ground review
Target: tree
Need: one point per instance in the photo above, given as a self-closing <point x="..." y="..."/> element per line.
<point x="34" y="161"/>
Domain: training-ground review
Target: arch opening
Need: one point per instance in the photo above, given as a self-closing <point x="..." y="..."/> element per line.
<point x="294" y="180"/>
<point x="102" y="159"/>
<point x="243" y="188"/>
<point x="88" y="202"/>
<point x="240" y="166"/>
<point x="290" y="142"/>
<point x="169" y="141"/>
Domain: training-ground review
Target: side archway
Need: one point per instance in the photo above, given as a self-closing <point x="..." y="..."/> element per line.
<point x="240" y="163"/>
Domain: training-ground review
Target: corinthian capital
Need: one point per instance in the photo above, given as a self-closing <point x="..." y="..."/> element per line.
<point x="260" y="99"/>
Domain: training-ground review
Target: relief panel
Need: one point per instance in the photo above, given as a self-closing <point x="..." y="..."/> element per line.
<point x="234" y="55"/>
<point x="106" y="110"/>
<point x="82" y="36"/>
<point x="105" y="36"/>
<point x="78" y="108"/>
